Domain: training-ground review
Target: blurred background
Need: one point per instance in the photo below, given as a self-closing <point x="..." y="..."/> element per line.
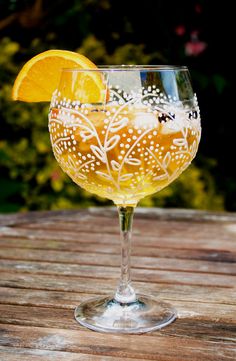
<point x="193" y="33"/>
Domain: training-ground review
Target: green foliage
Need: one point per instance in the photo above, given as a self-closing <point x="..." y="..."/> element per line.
<point x="30" y="177"/>
<point x="125" y="54"/>
<point x="195" y="188"/>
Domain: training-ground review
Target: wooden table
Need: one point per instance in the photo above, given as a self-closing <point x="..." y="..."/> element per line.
<point x="51" y="261"/>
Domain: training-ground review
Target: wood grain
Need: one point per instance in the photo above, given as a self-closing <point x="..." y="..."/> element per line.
<point x="85" y="258"/>
<point x="107" y="273"/>
<point x="60" y="245"/>
<point x="146" y="347"/>
<point x="92" y="286"/>
<point x="29" y="354"/>
<point x="51" y="261"/>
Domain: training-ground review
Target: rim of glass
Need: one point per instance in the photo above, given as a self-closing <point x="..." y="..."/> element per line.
<point x="111" y="68"/>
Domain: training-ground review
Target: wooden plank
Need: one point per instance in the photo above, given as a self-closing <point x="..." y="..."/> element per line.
<point x="197" y="311"/>
<point x="180" y="240"/>
<point x="111" y="212"/>
<point x="150" y="227"/>
<point x="114" y="260"/>
<point x="60" y="245"/>
<point x="114" y="249"/>
<point x="38" y="216"/>
<point x="213" y="294"/>
<point x="26" y="354"/>
<point x="157" y="227"/>
<point x="180" y="214"/>
<point x="52" y="298"/>
<point x="145" y="347"/>
<point x="107" y="273"/>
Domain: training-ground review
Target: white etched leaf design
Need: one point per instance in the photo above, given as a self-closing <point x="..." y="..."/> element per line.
<point x="81" y="176"/>
<point x="86" y="133"/>
<point x="133" y="161"/>
<point x="160" y="177"/>
<point x="119" y="124"/>
<point x="166" y="160"/>
<point x="126" y="177"/>
<point x="99" y="153"/>
<point x="185" y="131"/>
<point x="71" y="163"/>
<point x="185" y="165"/>
<point x="115" y="165"/>
<point x="57" y="149"/>
<point x="194" y="148"/>
<point x="103" y="175"/>
<point x="111" y="143"/>
<point x="180" y="142"/>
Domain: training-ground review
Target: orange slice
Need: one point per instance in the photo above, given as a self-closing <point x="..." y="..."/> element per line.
<point x="40" y="76"/>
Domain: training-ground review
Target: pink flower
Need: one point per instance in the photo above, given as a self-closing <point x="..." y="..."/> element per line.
<point x="180" y="30"/>
<point x="194" y="47"/>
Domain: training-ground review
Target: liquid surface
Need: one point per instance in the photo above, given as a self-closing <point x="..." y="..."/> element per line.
<point x="123" y="152"/>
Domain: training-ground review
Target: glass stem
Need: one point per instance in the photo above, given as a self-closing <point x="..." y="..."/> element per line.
<point x="125" y="292"/>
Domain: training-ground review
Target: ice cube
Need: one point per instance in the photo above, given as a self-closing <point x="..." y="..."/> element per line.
<point x="127" y="81"/>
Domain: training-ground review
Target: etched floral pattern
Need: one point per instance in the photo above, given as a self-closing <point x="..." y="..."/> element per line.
<point x="130" y="147"/>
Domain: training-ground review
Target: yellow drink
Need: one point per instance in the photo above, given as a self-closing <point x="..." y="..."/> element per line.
<point x="123" y="152"/>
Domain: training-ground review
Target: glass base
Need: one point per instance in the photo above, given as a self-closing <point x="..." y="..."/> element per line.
<point x="105" y="314"/>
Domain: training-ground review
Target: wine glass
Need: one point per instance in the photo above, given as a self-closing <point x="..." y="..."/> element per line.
<point x="124" y="132"/>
